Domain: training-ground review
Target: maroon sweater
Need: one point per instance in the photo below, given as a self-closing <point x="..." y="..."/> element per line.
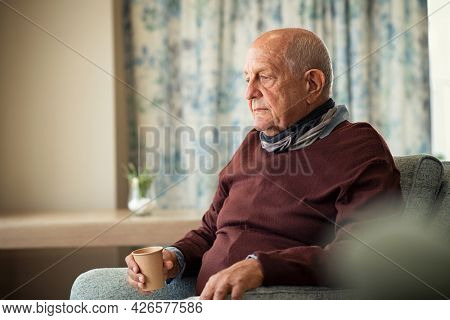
<point x="283" y="206"/>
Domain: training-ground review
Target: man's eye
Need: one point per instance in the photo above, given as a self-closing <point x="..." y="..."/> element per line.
<point x="247" y="80"/>
<point x="263" y="77"/>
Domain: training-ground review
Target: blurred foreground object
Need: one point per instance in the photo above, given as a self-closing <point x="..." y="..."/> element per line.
<point x="394" y="259"/>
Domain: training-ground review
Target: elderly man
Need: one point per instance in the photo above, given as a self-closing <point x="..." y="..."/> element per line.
<point x="299" y="177"/>
<point x="293" y="190"/>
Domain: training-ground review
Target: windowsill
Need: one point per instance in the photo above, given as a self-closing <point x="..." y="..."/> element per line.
<point x="96" y="228"/>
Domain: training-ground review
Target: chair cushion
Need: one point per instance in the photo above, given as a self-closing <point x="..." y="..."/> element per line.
<point x="420" y="179"/>
<point x="300" y="293"/>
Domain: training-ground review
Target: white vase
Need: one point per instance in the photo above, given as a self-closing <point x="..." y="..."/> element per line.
<point x="140" y="203"/>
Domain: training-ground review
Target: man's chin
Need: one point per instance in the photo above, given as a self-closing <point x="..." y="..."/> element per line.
<point x="262" y="126"/>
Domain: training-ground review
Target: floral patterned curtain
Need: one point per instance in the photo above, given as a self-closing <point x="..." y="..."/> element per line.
<point x="187" y="111"/>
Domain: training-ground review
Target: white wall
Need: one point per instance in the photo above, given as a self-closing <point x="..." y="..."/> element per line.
<point x="57" y="131"/>
<point x="439" y="41"/>
<point x="57" y="125"/>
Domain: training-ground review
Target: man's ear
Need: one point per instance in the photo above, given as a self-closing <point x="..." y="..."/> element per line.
<point x="315" y="82"/>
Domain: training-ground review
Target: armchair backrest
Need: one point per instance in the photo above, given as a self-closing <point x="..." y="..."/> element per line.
<point x="441" y="218"/>
<point x="420" y="179"/>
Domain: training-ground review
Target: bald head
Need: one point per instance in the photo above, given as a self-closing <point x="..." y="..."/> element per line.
<point x="301" y="49"/>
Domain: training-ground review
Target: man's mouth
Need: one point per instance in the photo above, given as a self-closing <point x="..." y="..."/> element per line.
<point x="260" y="109"/>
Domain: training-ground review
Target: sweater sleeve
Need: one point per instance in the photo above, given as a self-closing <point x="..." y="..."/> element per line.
<point x="196" y="242"/>
<point x="358" y="202"/>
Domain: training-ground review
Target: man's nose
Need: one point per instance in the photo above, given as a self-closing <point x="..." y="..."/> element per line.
<point x="252" y="91"/>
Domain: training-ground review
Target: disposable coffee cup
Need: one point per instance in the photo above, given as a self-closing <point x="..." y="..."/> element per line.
<point x="150" y="261"/>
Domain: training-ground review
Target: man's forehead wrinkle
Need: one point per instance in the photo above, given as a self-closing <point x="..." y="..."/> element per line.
<point x="269" y="55"/>
<point x="256" y="67"/>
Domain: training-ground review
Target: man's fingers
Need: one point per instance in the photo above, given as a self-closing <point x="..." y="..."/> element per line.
<point x="214" y="290"/>
<point x="168" y="264"/>
<point x="139" y="287"/>
<point x="168" y="258"/>
<point x="207" y="293"/>
<point x="131" y="263"/>
<point x="135" y="279"/>
<point x="166" y="254"/>
<point x="221" y="292"/>
<point x="130" y="281"/>
<point x="138" y="277"/>
<point x="132" y="275"/>
<point x="133" y="283"/>
<point x="237" y="292"/>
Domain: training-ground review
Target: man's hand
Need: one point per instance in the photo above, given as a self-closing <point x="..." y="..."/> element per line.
<point x="240" y="277"/>
<point x="171" y="268"/>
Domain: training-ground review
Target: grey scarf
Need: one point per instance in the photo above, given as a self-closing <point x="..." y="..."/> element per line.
<point x="317" y="125"/>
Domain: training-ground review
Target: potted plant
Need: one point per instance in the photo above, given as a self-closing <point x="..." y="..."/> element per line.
<point x="141" y="197"/>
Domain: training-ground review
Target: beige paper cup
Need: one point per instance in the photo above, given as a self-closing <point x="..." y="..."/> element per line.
<point x="150" y="261"/>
